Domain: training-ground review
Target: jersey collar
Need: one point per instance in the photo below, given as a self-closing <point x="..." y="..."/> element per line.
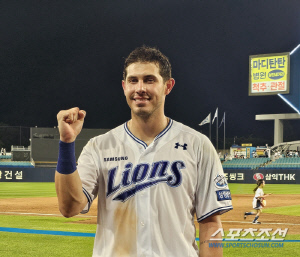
<point x="141" y="142"/>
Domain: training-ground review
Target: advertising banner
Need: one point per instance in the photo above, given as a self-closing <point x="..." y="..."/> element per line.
<point x="27" y="174"/>
<point x="269" y="74"/>
<point x="271" y="176"/>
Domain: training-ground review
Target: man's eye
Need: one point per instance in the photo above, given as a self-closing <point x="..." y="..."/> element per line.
<point x="149" y="80"/>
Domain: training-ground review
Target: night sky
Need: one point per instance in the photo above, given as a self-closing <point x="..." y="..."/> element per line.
<point x="59" y="54"/>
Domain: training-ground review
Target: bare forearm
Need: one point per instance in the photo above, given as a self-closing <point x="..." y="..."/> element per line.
<point x="266" y="195"/>
<point x="71" y="199"/>
<point x="206" y="228"/>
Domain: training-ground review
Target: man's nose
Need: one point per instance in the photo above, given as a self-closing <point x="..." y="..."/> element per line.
<point x="140" y="86"/>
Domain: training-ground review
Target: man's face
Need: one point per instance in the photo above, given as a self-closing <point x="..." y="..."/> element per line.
<point x="145" y="90"/>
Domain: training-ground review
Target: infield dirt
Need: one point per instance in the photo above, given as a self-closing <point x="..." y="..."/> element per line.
<point x="231" y="219"/>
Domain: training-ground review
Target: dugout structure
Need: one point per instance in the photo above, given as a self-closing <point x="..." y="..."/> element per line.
<point x="20" y="153"/>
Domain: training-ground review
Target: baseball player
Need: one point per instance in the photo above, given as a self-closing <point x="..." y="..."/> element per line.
<point x="151" y="174"/>
<point x="258" y="201"/>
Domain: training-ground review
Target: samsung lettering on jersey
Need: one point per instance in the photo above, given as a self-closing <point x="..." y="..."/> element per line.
<point x="142" y="172"/>
<point x="112" y="159"/>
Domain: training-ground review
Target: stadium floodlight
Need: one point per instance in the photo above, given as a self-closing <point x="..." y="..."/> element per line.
<point x="295" y="49"/>
<point x="289" y="103"/>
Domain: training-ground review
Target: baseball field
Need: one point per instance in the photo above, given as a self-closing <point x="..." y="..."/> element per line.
<point x="31" y="225"/>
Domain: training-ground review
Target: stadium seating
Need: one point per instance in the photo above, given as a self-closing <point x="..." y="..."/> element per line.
<point x="5" y="157"/>
<point x="284" y="163"/>
<point x="263" y="163"/>
<point x="15" y="164"/>
<point x="252" y="163"/>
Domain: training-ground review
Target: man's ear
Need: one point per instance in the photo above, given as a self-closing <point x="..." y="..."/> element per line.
<point x="169" y="85"/>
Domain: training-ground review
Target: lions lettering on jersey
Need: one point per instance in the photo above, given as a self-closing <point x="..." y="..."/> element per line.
<point x="142" y="172"/>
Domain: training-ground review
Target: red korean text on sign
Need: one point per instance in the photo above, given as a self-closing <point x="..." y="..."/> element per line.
<point x="255" y="87"/>
<point x="281" y="85"/>
<point x="263" y="86"/>
<point x="273" y="86"/>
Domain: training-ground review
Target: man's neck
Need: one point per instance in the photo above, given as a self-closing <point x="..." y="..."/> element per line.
<point x="147" y="129"/>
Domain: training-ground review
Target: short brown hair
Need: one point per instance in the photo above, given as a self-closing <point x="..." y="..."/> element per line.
<point x="149" y="54"/>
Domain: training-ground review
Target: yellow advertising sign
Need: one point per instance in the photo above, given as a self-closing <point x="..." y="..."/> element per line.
<point x="269" y="74"/>
<point x="248" y="144"/>
<point x="260" y="152"/>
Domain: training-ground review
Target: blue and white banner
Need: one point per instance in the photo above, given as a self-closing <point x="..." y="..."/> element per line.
<point x="206" y="120"/>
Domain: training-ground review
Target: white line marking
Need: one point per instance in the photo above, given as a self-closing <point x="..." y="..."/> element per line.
<point x="264" y="223"/>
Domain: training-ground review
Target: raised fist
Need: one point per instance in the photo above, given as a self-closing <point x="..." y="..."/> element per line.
<point x="70" y="123"/>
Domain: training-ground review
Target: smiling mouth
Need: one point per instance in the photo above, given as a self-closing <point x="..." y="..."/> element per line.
<point x="141" y="102"/>
<point x="141" y="99"/>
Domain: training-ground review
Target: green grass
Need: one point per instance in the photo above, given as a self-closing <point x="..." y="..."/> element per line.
<point x="27" y="245"/>
<point x="35" y="245"/>
<point x="293" y="210"/>
<point x="269" y="188"/>
<point x="26" y="190"/>
<point x="32" y="245"/>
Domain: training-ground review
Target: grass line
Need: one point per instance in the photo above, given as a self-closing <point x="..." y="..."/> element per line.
<point x="292" y="210"/>
<point x="269" y="188"/>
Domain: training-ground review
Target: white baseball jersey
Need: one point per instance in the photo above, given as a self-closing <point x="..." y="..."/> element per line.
<point x="148" y="195"/>
<point x="258" y="193"/>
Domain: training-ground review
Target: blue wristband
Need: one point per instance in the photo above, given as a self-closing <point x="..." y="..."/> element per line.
<point x="66" y="163"/>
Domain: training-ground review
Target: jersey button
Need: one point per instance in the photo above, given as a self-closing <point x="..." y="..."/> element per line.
<point x="142" y="224"/>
